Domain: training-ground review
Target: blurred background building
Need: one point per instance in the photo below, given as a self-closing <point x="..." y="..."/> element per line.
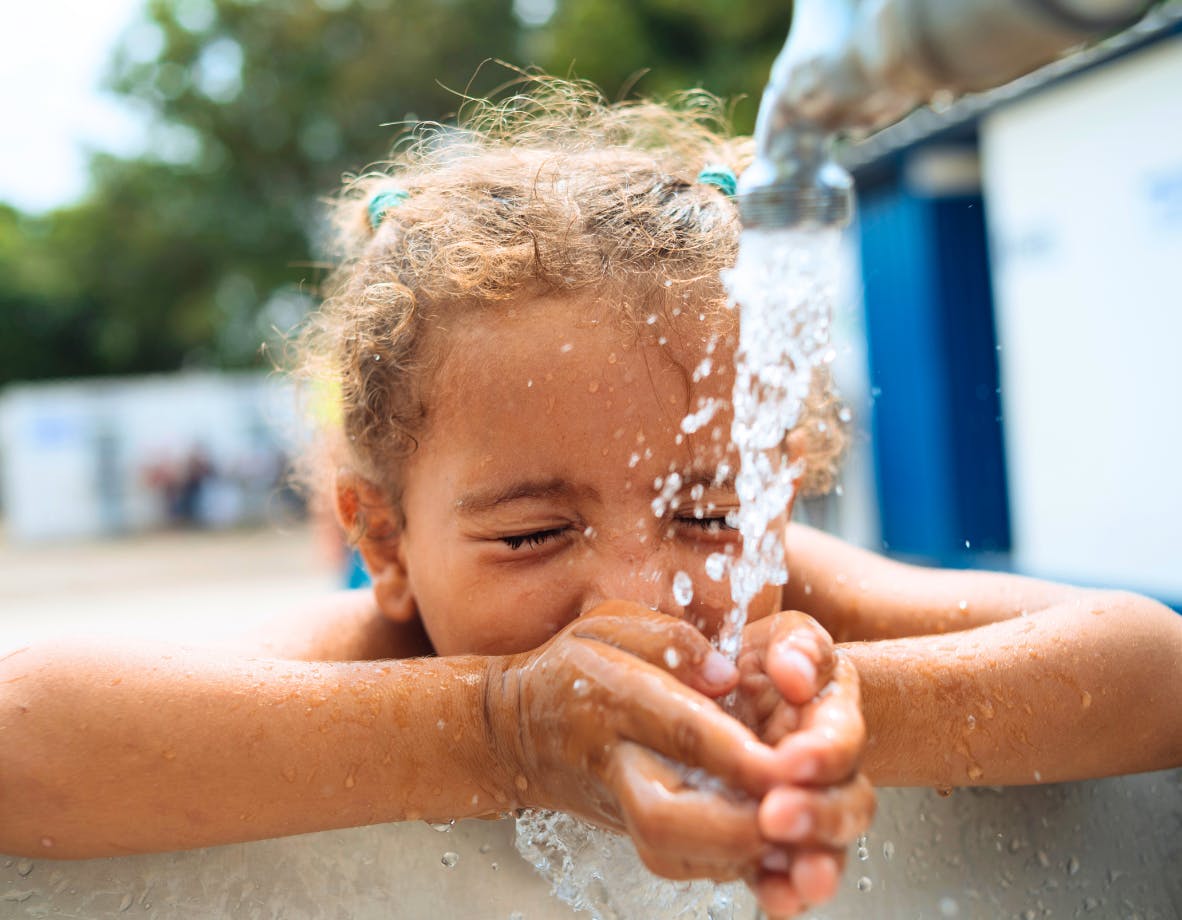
<point x="1009" y="342"/>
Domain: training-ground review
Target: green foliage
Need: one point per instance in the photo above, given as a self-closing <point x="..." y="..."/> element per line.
<point x="193" y="252"/>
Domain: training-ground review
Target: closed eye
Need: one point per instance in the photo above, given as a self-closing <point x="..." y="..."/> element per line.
<point x="716" y="524"/>
<point x="533" y="540"/>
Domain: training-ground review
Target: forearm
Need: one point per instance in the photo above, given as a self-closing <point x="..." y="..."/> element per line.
<point x="107" y="751"/>
<point x="1083" y="689"/>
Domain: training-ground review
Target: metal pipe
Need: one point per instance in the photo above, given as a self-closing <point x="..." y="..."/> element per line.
<point x="853" y="66"/>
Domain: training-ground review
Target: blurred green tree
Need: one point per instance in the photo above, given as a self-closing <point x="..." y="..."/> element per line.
<point x="192" y="252"/>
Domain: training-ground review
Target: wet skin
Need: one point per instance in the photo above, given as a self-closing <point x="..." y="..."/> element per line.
<point x="528" y="505"/>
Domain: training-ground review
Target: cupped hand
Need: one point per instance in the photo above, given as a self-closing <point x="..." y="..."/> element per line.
<point x="800" y="695"/>
<point x="603" y="721"/>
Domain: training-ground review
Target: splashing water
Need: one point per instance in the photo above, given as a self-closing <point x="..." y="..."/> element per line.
<point x="785" y="282"/>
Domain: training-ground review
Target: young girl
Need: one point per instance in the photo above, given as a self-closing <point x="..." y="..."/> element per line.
<point x="528" y="308"/>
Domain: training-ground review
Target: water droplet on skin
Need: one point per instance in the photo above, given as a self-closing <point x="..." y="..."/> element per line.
<point x="667" y="283"/>
<point x="529" y="383"/>
<point x="683" y="589"/>
<point x="580" y="686"/>
<point x="975" y="772"/>
<point x="1037" y="776"/>
<point x="47" y="842"/>
<point x="1086" y="699"/>
<point x="289" y="774"/>
<point x="449" y="860"/>
<point x="963" y="605"/>
<point x="652" y="319"/>
<point x="864" y="884"/>
<point x="350" y="782"/>
<point x="672" y="657"/>
<point x="888" y="850"/>
<point x="566" y="348"/>
<point x="441" y="725"/>
<point x="521" y="782"/>
<point x="593" y="386"/>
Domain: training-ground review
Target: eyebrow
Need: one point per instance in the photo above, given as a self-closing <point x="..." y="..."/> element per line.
<point x="478" y="501"/>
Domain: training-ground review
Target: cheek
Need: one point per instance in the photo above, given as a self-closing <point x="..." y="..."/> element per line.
<point x="507" y="618"/>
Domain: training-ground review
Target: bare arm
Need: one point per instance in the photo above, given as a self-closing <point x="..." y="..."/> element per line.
<point x="109" y="750"/>
<point x="112" y="748"/>
<point x="973" y="678"/>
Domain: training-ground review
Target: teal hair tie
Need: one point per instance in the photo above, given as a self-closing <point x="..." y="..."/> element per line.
<point x="721" y="177"/>
<point x="382" y="202"/>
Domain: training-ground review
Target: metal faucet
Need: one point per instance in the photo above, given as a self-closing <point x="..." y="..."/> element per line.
<point x="853" y="66"/>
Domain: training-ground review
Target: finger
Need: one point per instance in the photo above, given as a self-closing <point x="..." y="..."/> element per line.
<point x="693" y="832"/>
<point x="799" y="657"/>
<point x="777" y="896"/>
<point x="828" y="745"/>
<point x="655" y="710"/>
<point x="832" y="817"/>
<point x="783" y="720"/>
<point x="664" y="641"/>
<point x="815" y="874"/>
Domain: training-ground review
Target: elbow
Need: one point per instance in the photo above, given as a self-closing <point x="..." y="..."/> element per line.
<point x="1151" y="634"/>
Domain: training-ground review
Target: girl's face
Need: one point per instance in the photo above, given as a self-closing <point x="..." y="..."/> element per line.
<point x="530" y="498"/>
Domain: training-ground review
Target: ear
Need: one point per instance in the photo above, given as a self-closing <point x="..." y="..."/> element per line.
<point x="369" y="517"/>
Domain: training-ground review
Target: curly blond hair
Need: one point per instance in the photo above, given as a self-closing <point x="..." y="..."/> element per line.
<point x="552" y="191"/>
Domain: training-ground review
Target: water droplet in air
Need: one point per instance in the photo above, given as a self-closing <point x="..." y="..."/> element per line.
<point x="949" y="907"/>
<point x="864" y="884"/>
<point x="716" y="564"/>
<point x="1073" y="866"/>
<point x="485" y="847"/>
<point x="672" y="657"/>
<point x="443" y="827"/>
<point x="125" y="903"/>
<point x="683" y="589"/>
<point x="888" y="850"/>
<point x="863" y="853"/>
<point x="968" y="544"/>
<point x="449" y="860"/>
<point x="24" y="867"/>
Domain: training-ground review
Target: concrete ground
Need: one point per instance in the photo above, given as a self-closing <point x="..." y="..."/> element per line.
<point x="183" y="585"/>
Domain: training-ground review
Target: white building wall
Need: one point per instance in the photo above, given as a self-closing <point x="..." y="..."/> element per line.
<point x="1083" y="186"/>
<point x="77" y="457"/>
